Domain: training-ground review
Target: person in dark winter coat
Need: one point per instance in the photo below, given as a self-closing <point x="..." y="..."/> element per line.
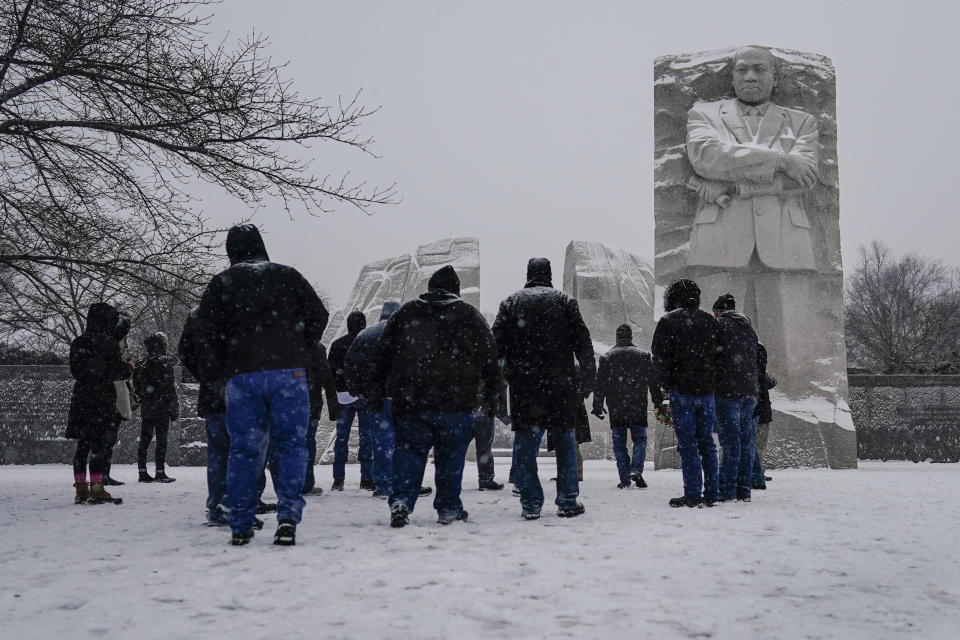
<point x="736" y="398"/>
<point x="438" y="364"/>
<point x="685" y="354"/>
<point x="581" y="431"/>
<point x="261" y="324"/>
<point x="212" y="408"/>
<point x="320" y="382"/>
<point x="762" y="417"/>
<point x="95" y="365"/>
<point x="159" y="405"/>
<point x="350" y="407"/>
<point x="124" y="400"/>
<point x="539" y="332"/>
<point x="625" y="375"/>
<point x="376" y="425"/>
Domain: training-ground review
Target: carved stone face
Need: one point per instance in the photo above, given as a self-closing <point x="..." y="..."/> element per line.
<point x="753" y="75"/>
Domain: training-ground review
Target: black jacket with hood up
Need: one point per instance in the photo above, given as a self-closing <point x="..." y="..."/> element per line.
<point x="764" y="411"/>
<point x="356" y="322"/>
<point x="539" y="331"/>
<point x="257" y="315"/>
<point x="95" y="365"/>
<point x="154" y="381"/>
<point x="685" y="342"/>
<point x="437" y="354"/>
<point x="736" y="356"/>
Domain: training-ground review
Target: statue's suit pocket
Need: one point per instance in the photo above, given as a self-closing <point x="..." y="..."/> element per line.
<point x="797" y="216"/>
<point x="708" y="214"/>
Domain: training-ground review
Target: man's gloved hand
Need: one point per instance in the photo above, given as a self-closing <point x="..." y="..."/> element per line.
<point x="333" y="410"/>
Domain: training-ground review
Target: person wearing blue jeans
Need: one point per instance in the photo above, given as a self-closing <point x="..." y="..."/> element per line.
<point x="629" y="466"/>
<point x="380" y="433"/>
<point x="738" y="437"/>
<point x="526" y="445"/>
<point x="736" y="398"/>
<point x="259" y="326"/>
<point x="349" y="412"/>
<point x="449" y="434"/>
<point x="218" y="449"/>
<point x="685" y="352"/>
<point x="693" y="423"/>
<point x="437" y="363"/>
<point x="274" y="407"/>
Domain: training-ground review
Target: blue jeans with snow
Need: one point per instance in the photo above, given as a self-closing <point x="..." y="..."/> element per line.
<point x="449" y="434"/>
<point x="340" y="446"/>
<point x="758" y="474"/>
<point x="626" y="466"/>
<point x="266" y="405"/>
<point x="218" y="449"/>
<point x="526" y="446"/>
<point x="693" y="420"/>
<point x="739" y="440"/>
<point x="378" y="425"/>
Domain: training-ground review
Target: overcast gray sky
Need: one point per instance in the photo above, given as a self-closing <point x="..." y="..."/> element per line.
<point x="530" y="124"/>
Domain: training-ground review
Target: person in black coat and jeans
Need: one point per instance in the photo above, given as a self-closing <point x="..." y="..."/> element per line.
<point x="685" y="353"/>
<point x="351" y="407"/>
<point x="261" y="324"/>
<point x="736" y="398"/>
<point x="762" y="417"/>
<point x="438" y="365"/>
<point x="95" y="365"/>
<point x="159" y="406"/>
<point x="539" y="332"/>
<point x="625" y="375"/>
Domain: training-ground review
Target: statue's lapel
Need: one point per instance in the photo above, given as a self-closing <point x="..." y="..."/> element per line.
<point x="770" y="126"/>
<point x="734" y="122"/>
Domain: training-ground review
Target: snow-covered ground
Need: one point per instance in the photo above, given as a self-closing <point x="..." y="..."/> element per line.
<point x="871" y="553"/>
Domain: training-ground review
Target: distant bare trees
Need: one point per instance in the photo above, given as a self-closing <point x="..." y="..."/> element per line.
<point x="108" y="109"/>
<point x="902" y="314"/>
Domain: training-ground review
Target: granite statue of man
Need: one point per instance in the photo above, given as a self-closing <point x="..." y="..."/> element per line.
<point x="751" y="236"/>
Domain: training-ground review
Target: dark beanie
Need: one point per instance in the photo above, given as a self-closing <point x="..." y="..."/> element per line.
<point x="445" y="278"/>
<point x="624" y="332"/>
<point x="539" y="269"/>
<point x="725" y="303"/>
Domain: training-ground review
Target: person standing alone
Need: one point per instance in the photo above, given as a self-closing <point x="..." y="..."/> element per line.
<point x="159" y="406"/>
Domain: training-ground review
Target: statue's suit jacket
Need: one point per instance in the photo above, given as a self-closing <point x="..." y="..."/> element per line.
<point x="772" y="220"/>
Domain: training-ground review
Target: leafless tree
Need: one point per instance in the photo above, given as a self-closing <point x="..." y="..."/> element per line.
<point x="902" y="315"/>
<point x="108" y="109"/>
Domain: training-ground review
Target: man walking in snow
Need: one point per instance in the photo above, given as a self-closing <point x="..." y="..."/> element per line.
<point x="539" y="331"/>
<point x="438" y="364"/>
<point x="625" y="375"/>
<point x="736" y="398"/>
<point x="261" y="324"/>
<point x="350" y="408"/>
<point x="685" y="354"/>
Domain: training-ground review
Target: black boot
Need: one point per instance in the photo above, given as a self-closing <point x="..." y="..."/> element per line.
<point x="425" y="491"/>
<point x="161" y="476"/>
<point x="240" y="539"/>
<point x="337" y="484"/>
<point x="266" y="507"/>
<point x="367" y="484"/>
<point x="399" y="515"/>
<point x="638" y="479"/>
<point x="286" y="535"/>
<point x="684" y="501"/>
<point x="491" y="485"/>
<point x="110" y="482"/>
<point x="571" y="512"/>
<point x="145" y="477"/>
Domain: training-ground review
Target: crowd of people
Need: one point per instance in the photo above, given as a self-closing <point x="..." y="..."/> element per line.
<point x="431" y="374"/>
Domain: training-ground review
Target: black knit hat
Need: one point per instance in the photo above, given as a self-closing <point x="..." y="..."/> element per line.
<point x="538" y="269"/>
<point x="624" y="332"/>
<point x="445" y="278"/>
<point x="725" y="303"/>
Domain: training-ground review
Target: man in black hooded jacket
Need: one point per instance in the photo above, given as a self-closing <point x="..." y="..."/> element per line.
<point x="159" y="406"/>
<point x="685" y="354"/>
<point x="539" y="331"/>
<point x="350" y="408"/>
<point x="438" y="364"/>
<point x="261" y="324"/>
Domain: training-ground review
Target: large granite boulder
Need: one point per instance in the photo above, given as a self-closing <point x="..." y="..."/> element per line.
<point x="405" y="277"/>
<point x="734" y="227"/>
<point x="612" y="287"/>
